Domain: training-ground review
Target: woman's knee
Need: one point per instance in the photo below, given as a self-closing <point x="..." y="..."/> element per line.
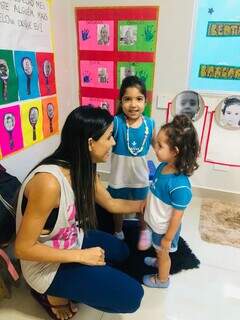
<point x="132" y="297"/>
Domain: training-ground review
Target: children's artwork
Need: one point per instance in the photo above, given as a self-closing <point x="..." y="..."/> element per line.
<point x="222" y="146"/>
<point x="32" y="122"/>
<point x="227" y="113"/>
<point x="96" y="35"/>
<point x="216" y="68"/>
<point x="113" y="43"/>
<point x="189" y="103"/>
<point x="11" y="139"/>
<point x="8" y="78"/>
<point x="46" y="72"/>
<point x="50" y="116"/>
<point x="137" y="35"/>
<point x="144" y="70"/>
<point x="27" y="71"/>
<point x="98" y="74"/>
<point x="103" y="103"/>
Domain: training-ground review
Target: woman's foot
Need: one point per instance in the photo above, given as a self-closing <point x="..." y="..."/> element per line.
<point x="56" y="307"/>
<point x="145" y="240"/>
<point x="64" y="309"/>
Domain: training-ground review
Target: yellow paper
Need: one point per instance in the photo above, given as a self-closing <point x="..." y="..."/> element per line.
<point x="32" y="122"/>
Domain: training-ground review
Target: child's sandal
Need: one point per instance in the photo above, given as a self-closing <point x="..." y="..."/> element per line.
<point x="152" y="281"/>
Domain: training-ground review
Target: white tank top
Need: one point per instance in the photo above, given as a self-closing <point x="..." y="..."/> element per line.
<point x="65" y="234"/>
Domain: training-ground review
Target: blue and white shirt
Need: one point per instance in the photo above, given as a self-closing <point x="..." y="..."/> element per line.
<point x="128" y="170"/>
<point x="167" y="191"/>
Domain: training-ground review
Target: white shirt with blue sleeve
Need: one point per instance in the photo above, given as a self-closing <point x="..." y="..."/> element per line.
<point x="167" y="192"/>
<point x="128" y="170"/>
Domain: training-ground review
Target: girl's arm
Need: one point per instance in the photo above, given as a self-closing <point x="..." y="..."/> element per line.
<point x="104" y="199"/>
<point x="173" y="227"/>
<point x="154" y="139"/>
<point x="43" y="193"/>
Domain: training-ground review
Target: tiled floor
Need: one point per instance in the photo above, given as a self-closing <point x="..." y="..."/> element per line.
<point x="211" y="292"/>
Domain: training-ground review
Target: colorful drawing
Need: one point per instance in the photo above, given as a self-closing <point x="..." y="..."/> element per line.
<point x="216" y="68"/>
<point x="46" y="68"/>
<point x="103" y="103"/>
<point x="50" y="116"/>
<point x="96" y="35"/>
<point x="8" y="78"/>
<point x="27" y="71"/>
<point x="144" y="70"/>
<point x="96" y="74"/>
<point x="137" y="35"/>
<point x="32" y="122"/>
<point x="11" y="138"/>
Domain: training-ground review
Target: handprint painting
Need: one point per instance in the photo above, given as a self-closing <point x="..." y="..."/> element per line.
<point x="144" y="70"/>
<point x="96" y="35"/>
<point x="189" y="103"/>
<point x="137" y="36"/>
<point x="227" y="113"/>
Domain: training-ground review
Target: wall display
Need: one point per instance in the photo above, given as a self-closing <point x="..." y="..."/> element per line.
<point x="223" y="140"/>
<point x="137" y="36"/>
<point x="27" y="74"/>
<point x="191" y="104"/>
<point x="99" y="102"/>
<point x="216" y="47"/>
<point x="96" y="35"/>
<point x="50" y="116"/>
<point x="11" y="139"/>
<point x="113" y="43"/>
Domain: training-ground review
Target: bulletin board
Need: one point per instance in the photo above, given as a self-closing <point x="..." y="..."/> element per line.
<point x="113" y="43"/>
<point x="28" y="101"/>
<point x="215" y="63"/>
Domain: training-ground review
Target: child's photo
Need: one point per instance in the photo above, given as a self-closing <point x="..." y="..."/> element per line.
<point x="227" y="113"/>
<point x="128" y="35"/>
<point x="103" y="34"/>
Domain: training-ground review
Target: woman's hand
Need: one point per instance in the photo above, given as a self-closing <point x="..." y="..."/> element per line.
<point x="92" y="257"/>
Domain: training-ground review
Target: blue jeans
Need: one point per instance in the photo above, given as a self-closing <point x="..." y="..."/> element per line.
<point x="102" y="287"/>
<point x="156" y="240"/>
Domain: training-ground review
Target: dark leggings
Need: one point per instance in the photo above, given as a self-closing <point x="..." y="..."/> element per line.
<point x="102" y="287"/>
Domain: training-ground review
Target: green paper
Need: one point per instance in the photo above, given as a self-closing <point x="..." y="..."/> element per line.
<point x="11" y="93"/>
<point x="138" y="36"/>
<point x="144" y="70"/>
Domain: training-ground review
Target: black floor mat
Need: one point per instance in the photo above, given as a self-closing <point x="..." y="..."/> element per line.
<point x="182" y="259"/>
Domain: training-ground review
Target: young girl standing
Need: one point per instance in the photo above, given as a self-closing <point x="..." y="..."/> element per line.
<point x="170" y="193"/>
<point x="133" y="134"/>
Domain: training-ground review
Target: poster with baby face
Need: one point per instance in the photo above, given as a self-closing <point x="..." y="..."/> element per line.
<point x="97" y="74"/>
<point x="227" y="113"/>
<point x="11" y="139"/>
<point x="107" y="104"/>
<point x="96" y="35"/>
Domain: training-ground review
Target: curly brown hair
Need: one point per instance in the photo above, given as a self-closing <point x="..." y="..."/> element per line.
<point x="182" y="135"/>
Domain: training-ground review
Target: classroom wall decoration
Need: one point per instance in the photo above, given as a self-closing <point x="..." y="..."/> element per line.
<point x="222" y="146"/>
<point x="113" y="43"/>
<point x="216" y="47"/>
<point x="28" y="102"/>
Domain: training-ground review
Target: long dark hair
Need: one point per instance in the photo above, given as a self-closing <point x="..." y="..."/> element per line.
<point x="73" y="153"/>
<point x="181" y="133"/>
<point x="130" y="82"/>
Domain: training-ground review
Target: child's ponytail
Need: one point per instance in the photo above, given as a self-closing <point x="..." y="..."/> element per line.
<point x="183" y="136"/>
